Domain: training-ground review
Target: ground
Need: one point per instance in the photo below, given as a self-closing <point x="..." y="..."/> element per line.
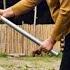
<point x="30" y="63"/>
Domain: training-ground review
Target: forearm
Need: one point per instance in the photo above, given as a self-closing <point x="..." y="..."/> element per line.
<point x="21" y="7"/>
<point x="7" y="12"/>
<point x="62" y="25"/>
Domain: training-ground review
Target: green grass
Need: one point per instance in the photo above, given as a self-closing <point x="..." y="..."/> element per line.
<point x="3" y="55"/>
<point x="27" y="63"/>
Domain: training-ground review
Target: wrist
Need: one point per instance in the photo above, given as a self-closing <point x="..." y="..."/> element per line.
<point x="52" y="40"/>
<point x="8" y="12"/>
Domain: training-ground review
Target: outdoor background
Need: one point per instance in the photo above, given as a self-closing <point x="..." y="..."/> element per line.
<point x="13" y="45"/>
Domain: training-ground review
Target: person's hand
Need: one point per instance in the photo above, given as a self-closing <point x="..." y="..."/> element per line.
<point x="7" y="12"/>
<point x="48" y="44"/>
<point x="1" y="12"/>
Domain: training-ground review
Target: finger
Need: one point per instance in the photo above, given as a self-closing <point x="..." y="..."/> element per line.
<point x="44" y="49"/>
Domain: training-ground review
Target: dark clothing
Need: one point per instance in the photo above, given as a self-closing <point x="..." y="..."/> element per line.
<point x="65" y="64"/>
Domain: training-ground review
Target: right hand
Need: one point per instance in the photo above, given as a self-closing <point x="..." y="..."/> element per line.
<point x="48" y="44"/>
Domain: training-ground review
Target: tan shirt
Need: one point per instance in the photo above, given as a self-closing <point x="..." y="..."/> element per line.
<point x="60" y="12"/>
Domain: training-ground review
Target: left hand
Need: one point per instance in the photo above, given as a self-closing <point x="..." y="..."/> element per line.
<point x="1" y="12"/>
<point x="6" y="12"/>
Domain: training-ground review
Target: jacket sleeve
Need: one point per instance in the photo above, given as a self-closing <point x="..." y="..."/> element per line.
<point x="24" y="5"/>
<point x="62" y="21"/>
<point x="54" y="8"/>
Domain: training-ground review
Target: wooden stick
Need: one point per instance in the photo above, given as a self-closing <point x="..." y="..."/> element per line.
<point x="23" y="32"/>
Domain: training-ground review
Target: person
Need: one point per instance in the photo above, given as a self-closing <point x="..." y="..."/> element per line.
<point x="60" y="12"/>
